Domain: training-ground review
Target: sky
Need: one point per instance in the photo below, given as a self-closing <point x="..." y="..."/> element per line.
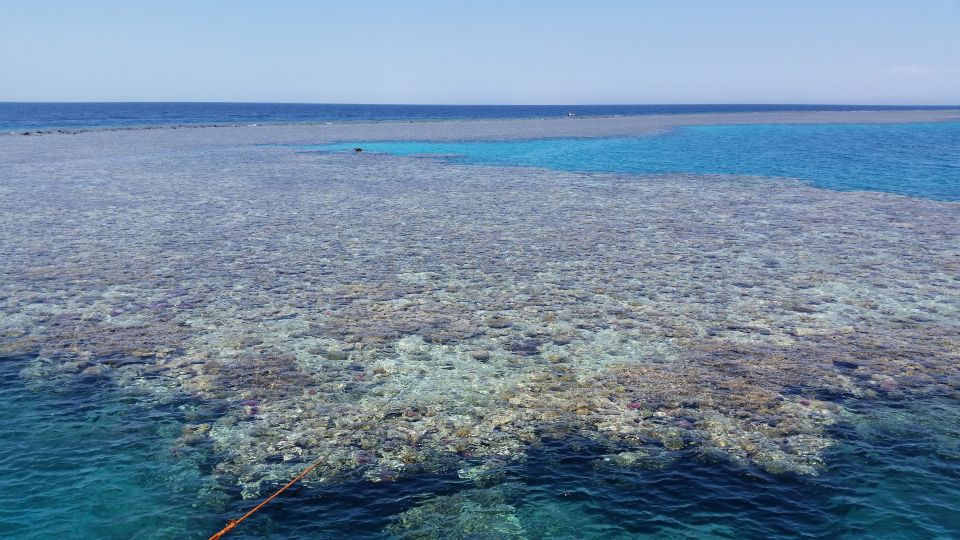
<point x="482" y="52"/>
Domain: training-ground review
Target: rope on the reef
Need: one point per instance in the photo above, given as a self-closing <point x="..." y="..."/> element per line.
<point x="232" y="524"/>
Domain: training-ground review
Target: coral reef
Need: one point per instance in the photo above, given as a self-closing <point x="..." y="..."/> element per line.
<point x="398" y="316"/>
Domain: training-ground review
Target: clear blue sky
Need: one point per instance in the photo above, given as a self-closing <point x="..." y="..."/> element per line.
<point x="489" y="51"/>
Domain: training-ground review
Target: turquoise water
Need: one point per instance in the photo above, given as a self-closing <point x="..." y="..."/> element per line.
<point x="921" y="160"/>
<point x="73" y="457"/>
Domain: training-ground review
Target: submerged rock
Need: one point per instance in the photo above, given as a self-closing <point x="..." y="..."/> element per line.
<point x="466" y="515"/>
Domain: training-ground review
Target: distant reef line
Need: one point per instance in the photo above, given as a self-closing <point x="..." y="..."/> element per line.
<point x="516" y="128"/>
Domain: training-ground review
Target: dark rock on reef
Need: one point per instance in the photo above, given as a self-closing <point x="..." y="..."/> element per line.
<point x="497" y="323"/>
<point x="526" y="347"/>
<point x="846" y="365"/>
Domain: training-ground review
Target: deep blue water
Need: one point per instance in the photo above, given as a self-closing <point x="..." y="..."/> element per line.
<point x="43" y="116"/>
<point x="920" y="159"/>
<point x="87" y="461"/>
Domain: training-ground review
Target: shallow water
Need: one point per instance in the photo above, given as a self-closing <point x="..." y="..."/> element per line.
<point x="921" y="160"/>
<point x="477" y="351"/>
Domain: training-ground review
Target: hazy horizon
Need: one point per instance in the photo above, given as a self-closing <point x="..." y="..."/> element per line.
<point x="583" y="104"/>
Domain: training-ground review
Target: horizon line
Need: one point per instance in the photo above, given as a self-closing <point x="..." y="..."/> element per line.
<point x="653" y="104"/>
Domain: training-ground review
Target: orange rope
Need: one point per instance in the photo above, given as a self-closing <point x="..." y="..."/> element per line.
<point x="232" y="524"/>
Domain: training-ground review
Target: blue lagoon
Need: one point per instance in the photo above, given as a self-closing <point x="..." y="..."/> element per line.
<point x="910" y="159"/>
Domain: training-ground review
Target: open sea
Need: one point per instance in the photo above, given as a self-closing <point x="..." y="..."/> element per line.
<point x="19" y="117"/>
<point x="663" y="336"/>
